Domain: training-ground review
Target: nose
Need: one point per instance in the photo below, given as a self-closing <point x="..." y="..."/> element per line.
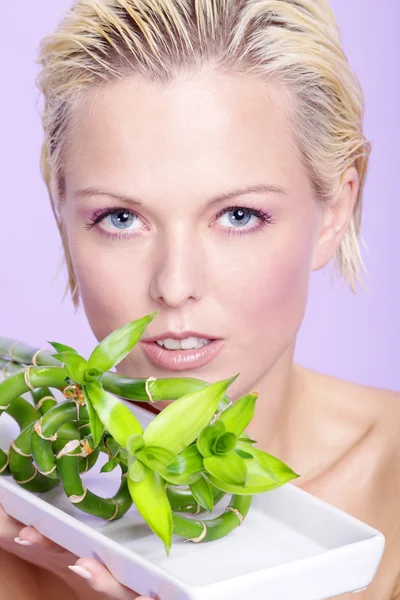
<point x="178" y="272"/>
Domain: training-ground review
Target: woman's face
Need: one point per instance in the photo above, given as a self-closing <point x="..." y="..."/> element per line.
<point x="231" y="276"/>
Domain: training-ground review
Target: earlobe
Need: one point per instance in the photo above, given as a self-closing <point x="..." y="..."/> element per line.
<point x="335" y="220"/>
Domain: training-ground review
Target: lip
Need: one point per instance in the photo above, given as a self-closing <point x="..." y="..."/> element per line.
<point x="181" y="360"/>
<point x="180" y="335"/>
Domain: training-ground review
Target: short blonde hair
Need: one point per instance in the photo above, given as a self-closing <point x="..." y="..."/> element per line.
<point x="294" y="42"/>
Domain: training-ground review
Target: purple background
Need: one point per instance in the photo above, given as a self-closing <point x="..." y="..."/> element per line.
<point x="352" y="337"/>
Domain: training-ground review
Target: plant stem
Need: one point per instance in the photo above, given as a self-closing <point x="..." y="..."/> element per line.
<point x="167" y="388"/>
<point x="213" y="529"/>
<point x="53" y="435"/>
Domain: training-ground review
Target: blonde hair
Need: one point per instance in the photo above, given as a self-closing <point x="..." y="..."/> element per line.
<point x="293" y="42"/>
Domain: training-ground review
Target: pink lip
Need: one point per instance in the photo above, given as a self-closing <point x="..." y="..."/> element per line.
<point x="181" y="360"/>
<point x="179" y="336"/>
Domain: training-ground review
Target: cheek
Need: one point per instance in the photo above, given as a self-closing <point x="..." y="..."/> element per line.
<point x="270" y="300"/>
<point x="104" y="283"/>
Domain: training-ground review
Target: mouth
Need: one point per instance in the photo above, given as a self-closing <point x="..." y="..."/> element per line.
<point x="180" y="359"/>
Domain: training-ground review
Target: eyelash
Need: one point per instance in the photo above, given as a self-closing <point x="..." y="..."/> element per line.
<point x="100" y="215"/>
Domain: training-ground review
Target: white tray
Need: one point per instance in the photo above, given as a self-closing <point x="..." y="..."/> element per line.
<point x="291" y="545"/>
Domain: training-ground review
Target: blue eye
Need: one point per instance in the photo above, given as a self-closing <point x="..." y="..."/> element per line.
<point x="122" y="216"/>
<point x="240" y="214"/>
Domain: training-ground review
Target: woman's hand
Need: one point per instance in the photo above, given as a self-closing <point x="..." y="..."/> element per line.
<point x="87" y="577"/>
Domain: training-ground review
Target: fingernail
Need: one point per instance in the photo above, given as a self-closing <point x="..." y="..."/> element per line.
<point x="23" y="542"/>
<point x="80" y="571"/>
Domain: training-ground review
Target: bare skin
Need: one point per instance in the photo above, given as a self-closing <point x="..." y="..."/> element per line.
<point x="177" y="148"/>
<point x="353" y="461"/>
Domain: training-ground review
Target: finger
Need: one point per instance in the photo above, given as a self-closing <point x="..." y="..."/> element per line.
<point x="29" y="536"/>
<point x="9" y="527"/>
<point x="101" y="580"/>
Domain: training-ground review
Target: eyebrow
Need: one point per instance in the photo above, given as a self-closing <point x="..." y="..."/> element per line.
<point x="135" y="201"/>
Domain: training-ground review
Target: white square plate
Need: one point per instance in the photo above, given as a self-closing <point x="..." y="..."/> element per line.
<point x="291" y="545"/>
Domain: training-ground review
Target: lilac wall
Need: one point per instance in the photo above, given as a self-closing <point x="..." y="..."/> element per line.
<point x="353" y="337"/>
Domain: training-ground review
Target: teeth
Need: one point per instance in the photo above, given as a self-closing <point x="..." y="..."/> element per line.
<point x="186" y="344"/>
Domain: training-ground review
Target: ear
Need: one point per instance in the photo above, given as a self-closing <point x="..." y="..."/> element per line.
<point x="335" y="220"/>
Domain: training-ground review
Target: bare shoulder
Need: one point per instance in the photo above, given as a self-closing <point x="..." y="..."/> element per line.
<point x="377" y="410"/>
<point x="372" y="408"/>
<point x="360" y="426"/>
<point x="384" y="407"/>
<point x="365" y="480"/>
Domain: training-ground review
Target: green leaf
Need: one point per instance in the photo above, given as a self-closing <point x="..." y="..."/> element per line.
<point x="202" y="493"/>
<point x="257" y="481"/>
<point x="111" y="445"/>
<point x="230" y="468"/>
<point x="116" y="417"/>
<point x="109" y="466"/>
<point x="188" y="461"/>
<point x="243" y="454"/>
<point x="124" y="456"/>
<point x="156" y="459"/>
<point x="158" y="454"/>
<point x="93" y="375"/>
<point x="113" y="348"/>
<point x="96" y="426"/>
<point x="135" y="443"/>
<point x="180" y="479"/>
<point x="237" y="417"/>
<point x="225" y="443"/>
<point x="62" y="347"/>
<point x="270" y="465"/>
<point x="136" y="471"/>
<point x="208" y="436"/>
<point x="151" y="500"/>
<point x="90" y="441"/>
<point x="179" y="424"/>
<point x="247" y="440"/>
<point x="76" y="365"/>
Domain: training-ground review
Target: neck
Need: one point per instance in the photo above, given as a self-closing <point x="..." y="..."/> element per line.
<point x="278" y="408"/>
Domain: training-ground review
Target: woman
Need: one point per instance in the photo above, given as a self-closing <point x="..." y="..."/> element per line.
<point x="204" y="158"/>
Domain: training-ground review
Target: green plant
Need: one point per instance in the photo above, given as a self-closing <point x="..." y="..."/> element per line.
<point x="198" y="442"/>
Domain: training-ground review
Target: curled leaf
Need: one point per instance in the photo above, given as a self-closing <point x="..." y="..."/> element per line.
<point x="92" y="374"/>
<point x="135" y="443"/>
<point x="208" y="436"/>
<point x="225" y="443"/>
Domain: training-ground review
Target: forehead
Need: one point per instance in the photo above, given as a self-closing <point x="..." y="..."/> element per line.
<point x="199" y="129"/>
